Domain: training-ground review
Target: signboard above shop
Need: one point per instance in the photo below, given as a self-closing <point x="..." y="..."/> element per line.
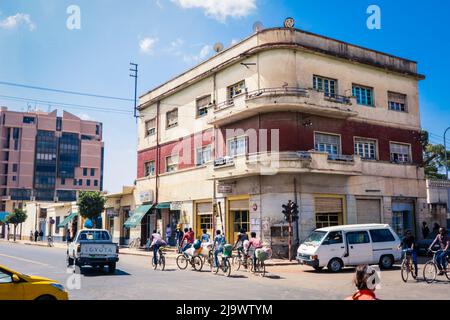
<point x="146" y="196"/>
<point x="176" y="205"/>
<point x="225" y="188"/>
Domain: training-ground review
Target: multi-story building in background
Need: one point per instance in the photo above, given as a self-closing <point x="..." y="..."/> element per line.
<point x="284" y="115"/>
<point x="46" y="158"/>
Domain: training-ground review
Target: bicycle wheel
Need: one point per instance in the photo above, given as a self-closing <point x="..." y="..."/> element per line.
<point x="250" y="266"/>
<point x="412" y="269"/>
<point x="227" y="267"/>
<point x="197" y="263"/>
<point x="263" y="269"/>
<point x="154" y="265"/>
<point x="182" y="262"/>
<point x="429" y="271"/>
<point x="162" y="262"/>
<point x="405" y="270"/>
<point x="237" y="264"/>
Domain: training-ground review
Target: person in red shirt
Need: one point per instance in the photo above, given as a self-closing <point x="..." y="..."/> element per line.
<point x="189" y="238"/>
<point x="363" y="279"/>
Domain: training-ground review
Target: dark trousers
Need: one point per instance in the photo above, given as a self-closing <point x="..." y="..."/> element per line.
<point x="155" y="253"/>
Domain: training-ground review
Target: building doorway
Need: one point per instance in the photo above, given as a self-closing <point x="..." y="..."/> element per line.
<point x="403" y="217"/>
<point x="204" y="219"/>
<point x="238" y="218"/>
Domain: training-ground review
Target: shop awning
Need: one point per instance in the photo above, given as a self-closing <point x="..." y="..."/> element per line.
<point x="67" y="220"/>
<point x="3" y="216"/>
<point x="137" y="216"/>
<point x="163" y="205"/>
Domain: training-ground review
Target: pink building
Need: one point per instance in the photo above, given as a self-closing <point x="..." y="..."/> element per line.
<point x="45" y="157"/>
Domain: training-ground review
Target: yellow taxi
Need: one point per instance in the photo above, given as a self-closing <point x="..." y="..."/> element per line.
<point x="17" y="286"/>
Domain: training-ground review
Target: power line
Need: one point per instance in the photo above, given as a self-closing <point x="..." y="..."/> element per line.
<point x="5" y="83"/>
<point x="69" y="105"/>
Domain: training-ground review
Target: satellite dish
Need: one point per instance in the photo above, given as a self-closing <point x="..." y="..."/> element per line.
<point x="258" y="26"/>
<point x="218" y="47"/>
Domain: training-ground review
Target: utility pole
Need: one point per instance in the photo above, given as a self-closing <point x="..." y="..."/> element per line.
<point x="134" y="70"/>
<point x="445" y="153"/>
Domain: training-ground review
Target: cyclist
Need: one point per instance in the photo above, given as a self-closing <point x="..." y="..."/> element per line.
<point x="205" y="236"/>
<point x="255" y="244"/>
<point x="219" y="242"/>
<point x="239" y="245"/>
<point x="409" y="247"/>
<point x="157" y="242"/>
<point x="189" y="238"/>
<point x="444" y="244"/>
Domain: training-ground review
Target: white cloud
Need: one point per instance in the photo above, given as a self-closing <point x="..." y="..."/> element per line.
<point x="147" y="45"/>
<point x="177" y="48"/>
<point x="159" y="4"/>
<point x="205" y="51"/>
<point x="84" y="116"/>
<point x="16" y="20"/>
<point x="220" y="9"/>
<point x="234" y="41"/>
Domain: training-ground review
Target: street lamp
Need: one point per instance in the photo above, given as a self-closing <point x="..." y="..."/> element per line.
<point x="445" y="153"/>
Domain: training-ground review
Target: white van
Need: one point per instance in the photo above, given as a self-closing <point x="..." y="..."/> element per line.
<point x="350" y="245"/>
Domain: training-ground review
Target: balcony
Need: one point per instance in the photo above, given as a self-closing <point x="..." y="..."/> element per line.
<point x="273" y="163"/>
<point x="282" y="99"/>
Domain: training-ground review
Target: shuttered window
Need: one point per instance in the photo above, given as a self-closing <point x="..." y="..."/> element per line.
<point x="204" y="208"/>
<point x="327" y="143"/>
<point x="397" y="101"/>
<point x="172" y="118"/>
<point x="150" y="127"/>
<point x="400" y="153"/>
<point x="366" y="148"/>
<point x="329" y="212"/>
<point x="239" y="205"/>
<point x="202" y="105"/>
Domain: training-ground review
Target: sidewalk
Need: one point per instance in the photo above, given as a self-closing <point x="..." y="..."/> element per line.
<point x="171" y="253"/>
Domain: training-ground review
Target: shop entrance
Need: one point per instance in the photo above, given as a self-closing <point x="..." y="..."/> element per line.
<point x="204" y="214"/>
<point x="403" y="217"/>
<point x="238" y="218"/>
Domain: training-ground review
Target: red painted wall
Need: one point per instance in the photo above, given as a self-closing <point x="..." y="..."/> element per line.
<point x="294" y="136"/>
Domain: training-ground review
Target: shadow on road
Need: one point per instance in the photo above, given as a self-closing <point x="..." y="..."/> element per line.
<point x="94" y="272"/>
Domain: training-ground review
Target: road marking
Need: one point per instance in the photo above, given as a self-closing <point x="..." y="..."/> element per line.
<point x="24" y="260"/>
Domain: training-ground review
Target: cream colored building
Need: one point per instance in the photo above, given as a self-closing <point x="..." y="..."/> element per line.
<point x="285" y="115"/>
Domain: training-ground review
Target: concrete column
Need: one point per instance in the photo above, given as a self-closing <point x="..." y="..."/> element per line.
<point x="307" y="219"/>
<point x="386" y="217"/>
<point x="352" y="217"/>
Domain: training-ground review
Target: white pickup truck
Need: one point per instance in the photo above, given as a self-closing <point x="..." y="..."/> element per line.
<point x="93" y="247"/>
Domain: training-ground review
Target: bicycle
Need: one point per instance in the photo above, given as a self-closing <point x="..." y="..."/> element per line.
<point x="408" y="266"/>
<point x="161" y="261"/>
<point x="135" y="244"/>
<point x="224" y="265"/>
<point x="195" y="261"/>
<point x="243" y="260"/>
<point x="50" y="241"/>
<point x="430" y="270"/>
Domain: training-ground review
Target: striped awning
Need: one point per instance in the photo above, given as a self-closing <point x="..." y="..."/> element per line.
<point x="137" y="216"/>
<point x="3" y="216"/>
<point x="67" y="220"/>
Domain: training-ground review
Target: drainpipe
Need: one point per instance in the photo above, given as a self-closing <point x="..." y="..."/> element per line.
<point x="158" y="105"/>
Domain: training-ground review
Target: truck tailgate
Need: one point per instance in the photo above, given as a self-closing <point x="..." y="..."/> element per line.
<point x="98" y="250"/>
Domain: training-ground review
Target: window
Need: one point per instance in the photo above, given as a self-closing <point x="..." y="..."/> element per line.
<point x="202" y="105"/>
<point x="171" y="163"/>
<point x="5" y="277"/>
<point x="69" y="154"/>
<point x="14" y="167"/>
<point x="80" y="182"/>
<point x="172" y="118"/>
<point x="203" y="155"/>
<point x="381" y="235"/>
<point x="364" y="95"/>
<point x="327" y="143"/>
<point x="400" y="153"/>
<point x="237" y="146"/>
<point x="92" y="172"/>
<point x="366" y="148"/>
<point x="149" y="168"/>
<point x="97" y="129"/>
<point x="150" y="127"/>
<point x="95" y="183"/>
<point x="397" y="101"/>
<point x="335" y="237"/>
<point x="86" y="137"/>
<point x="236" y="89"/>
<point x="58" y="124"/>
<point x="88" y="183"/>
<point x="357" y="237"/>
<point x="74" y="182"/>
<point x="14" y="178"/>
<point x="28" y="120"/>
<point x="63" y="181"/>
<point x="325" y="85"/>
<point x="84" y="172"/>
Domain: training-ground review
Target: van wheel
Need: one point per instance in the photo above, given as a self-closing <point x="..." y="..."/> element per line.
<point x="335" y="265"/>
<point x="386" y="262"/>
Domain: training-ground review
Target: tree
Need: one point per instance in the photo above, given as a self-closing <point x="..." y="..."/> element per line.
<point x="17" y="217"/>
<point x="91" y="204"/>
<point x="433" y="157"/>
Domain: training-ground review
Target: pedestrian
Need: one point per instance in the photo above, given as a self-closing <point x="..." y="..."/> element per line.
<point x="36" y="235"/>
<point x="180" y="235"/>
<point x="68" y="236"/>
<point x="168" y="233"/>
<point x="436" y="228"/>
<point x="31" y="236"/>
<point x="365" y="283"/>
<point x="41" y="235"/>
<point x="425" y="230"/>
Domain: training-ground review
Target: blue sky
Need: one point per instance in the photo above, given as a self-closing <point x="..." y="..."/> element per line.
<point x="165" y="37"/>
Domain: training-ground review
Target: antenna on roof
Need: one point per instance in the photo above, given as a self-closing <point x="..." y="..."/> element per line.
<point x="289" y="23"/>
<point x="258" y="26"/>
<point x="218" y="47"/>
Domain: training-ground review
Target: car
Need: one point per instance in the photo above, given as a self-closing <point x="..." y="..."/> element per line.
<point x="18" y="286"/>
<point x="424" y="244"/>
<point x="350" y="245"/>
<point x="93" y="247"/>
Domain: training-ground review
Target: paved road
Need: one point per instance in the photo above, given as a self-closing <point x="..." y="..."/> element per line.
<point x="134" y="279"/>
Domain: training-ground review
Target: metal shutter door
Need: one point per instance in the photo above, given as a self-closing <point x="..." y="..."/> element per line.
<point x="368" y="211"/>
<point x="328" y="205"/>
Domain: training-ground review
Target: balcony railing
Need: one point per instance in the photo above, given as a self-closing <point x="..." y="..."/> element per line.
<point x="278" y="91"/>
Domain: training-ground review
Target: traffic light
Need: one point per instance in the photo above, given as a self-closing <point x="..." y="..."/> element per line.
<point x="286" y="211"/>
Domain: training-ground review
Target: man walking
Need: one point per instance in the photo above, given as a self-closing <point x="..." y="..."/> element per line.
<point x="36" y="235"/>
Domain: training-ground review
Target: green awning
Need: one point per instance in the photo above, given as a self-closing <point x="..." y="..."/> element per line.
<point x="137" y="216"/>
<point x="67" y="219"/>
<point x="163" y="205"/>
<point x="3" y="216"/>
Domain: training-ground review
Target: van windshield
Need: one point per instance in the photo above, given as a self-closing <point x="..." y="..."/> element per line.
<point x="315" y="238"/>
